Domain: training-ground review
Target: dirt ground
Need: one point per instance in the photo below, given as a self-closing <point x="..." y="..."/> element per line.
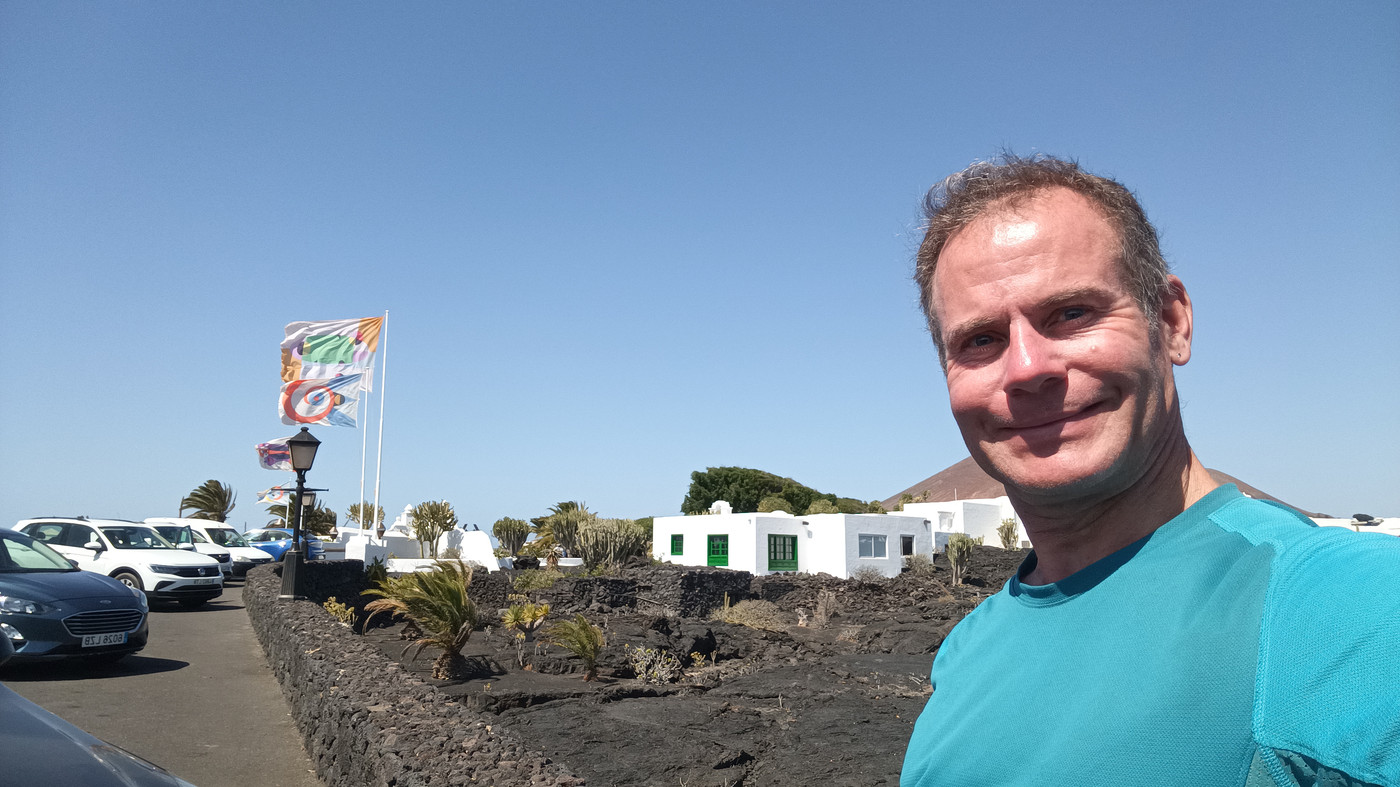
<point x="829" y="703"/>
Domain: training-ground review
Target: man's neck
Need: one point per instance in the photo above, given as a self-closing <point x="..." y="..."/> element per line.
<point x="1070" y="536"/>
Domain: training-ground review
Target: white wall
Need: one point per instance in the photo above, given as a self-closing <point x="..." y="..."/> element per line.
<point x="891" y="526"/>
<point x="974" y="517"/>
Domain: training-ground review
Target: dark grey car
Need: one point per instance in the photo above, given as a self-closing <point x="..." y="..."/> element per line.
<point x="51" y="610"/>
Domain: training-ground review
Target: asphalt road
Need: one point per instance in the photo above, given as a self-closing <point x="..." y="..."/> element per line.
<point x="199" y="700"/>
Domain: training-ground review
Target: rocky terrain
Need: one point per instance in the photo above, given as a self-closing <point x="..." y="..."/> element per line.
<point x="757" y="700"/>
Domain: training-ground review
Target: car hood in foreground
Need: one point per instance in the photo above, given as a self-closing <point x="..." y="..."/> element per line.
<point x="62" y="585"/>
<point x="39" y="748"/>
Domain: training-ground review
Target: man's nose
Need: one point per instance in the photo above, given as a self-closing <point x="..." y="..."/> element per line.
<point x="1032" y="360"/>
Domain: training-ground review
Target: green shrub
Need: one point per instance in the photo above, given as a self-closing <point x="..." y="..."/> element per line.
<point x="608" y="543"/>
<point x="527" y="581"/>
<point x="339" y="611"/>
<point x="822" y="506"/>
<point x="653" y="666"/>
<point x="376" y="571"/>
<point x="1009" y="533"/>
<point x="581" y="638"/>
<point x="960" y="553"/>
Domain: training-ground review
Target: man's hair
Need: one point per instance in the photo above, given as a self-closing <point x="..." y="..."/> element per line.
<point x="1007" y="182"/>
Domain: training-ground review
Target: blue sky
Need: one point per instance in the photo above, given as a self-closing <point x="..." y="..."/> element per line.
<point x="620" y="242"/>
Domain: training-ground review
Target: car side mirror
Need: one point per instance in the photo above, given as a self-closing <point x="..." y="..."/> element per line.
<point x="74" y="563"/>
<point x="95" y="546"/>
<point x="187" y="547"/>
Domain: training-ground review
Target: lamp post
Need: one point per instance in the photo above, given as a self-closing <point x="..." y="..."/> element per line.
<point x="303" y="446"/>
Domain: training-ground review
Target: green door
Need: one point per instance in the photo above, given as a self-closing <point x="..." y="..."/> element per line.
<point x="719" y="551"/>
<point x="782" y="553"/>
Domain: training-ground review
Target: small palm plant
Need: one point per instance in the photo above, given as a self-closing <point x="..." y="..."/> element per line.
<point x="437" y="602"/>
<point x="524" y="619"/>
<point x="582" y="639"/>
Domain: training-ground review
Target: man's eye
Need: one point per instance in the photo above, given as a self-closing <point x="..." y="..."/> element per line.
<point x="1074" y="313"/>
<point x="980" y="340"/>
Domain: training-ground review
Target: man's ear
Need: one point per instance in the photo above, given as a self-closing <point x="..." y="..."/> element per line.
<point x="1176" y="321"/>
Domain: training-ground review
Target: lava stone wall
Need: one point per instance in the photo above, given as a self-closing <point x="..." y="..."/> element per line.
<point x="662" y="589"/>
<point x="364" y="722"/>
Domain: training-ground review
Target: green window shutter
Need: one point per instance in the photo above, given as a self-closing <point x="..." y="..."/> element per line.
<point x="719" y="550"/>
<point x="782" y="553"/>
<point x="677" y="544"/>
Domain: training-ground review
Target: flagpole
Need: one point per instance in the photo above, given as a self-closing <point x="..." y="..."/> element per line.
<point x="364" y="442"/>
<point x="383" y="383"/>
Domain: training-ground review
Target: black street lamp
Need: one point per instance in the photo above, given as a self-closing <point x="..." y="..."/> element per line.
<point x="303" y="446"/>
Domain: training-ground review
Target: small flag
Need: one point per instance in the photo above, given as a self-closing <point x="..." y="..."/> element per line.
<point x="276" y="495"/>
<point x="275" y="455"/>
<point x="330" y="348"/>
<point x="332" y="402"/>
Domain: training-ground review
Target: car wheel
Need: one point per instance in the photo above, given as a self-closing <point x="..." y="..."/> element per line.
<point x="129" y="579"/>
<point x="192" y="603"/>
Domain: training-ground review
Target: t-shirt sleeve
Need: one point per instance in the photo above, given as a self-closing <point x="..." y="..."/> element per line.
<point x="1328" y="684"/>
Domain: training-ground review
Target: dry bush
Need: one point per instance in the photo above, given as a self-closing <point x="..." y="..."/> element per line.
<point x="755" y="614"/>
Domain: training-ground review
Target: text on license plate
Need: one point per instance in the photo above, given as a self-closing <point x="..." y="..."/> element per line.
<point x="205" y="581"/>
<point x="98" y="640"/>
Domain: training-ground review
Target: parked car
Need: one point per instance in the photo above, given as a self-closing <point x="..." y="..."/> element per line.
<point x="275" y="541"/>
<point x="133" y="554"/>
<point x="40" y="749"/>
<point x="245" y="556"/>
<point x="185" y="537"/>
<point x="51" y="610"/>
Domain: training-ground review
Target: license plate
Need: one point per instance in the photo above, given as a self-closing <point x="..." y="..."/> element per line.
<point x="98" y="640"/>
<point x="206" y="581"/>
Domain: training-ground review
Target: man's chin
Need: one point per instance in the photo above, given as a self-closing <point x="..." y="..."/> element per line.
<point x="1045" y="479"/>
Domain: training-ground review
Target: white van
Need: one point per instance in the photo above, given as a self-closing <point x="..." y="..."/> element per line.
<point x="222" y="536"/>
<point x="132" y="553"/>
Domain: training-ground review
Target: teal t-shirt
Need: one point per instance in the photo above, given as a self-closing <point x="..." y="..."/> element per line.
<point x="1238" y="644"/>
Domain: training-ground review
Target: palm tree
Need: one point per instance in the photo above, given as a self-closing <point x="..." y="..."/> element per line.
<point x="210" y="500"/>
<point x="437" y="602"/>
<point x="365" y="515"/>
<point x="319" y="520"/>
<point x="523" y="619"/>
<point x="562" y="524"/>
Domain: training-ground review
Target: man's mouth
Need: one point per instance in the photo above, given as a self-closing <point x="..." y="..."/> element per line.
<point x="1051" y="421"/>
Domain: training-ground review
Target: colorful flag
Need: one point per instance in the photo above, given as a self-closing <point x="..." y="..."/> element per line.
<point x="330" y="348"/>
<point x="276" y="495"/>
<point x="332" y="402"/>
<point x="275" y="455"/>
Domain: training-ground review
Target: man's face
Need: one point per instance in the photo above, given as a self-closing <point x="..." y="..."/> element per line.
<point x="1053" y="376"/>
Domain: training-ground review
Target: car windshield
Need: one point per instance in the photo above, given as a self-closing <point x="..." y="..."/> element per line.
<point x="20" y="553"/>
<point x="133" y="537"/>
<point x="227" y="537"/>
<point x="175" y="534"/>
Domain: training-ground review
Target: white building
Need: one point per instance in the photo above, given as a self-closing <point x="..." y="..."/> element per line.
<point x="400" y="549"/>
<point x="836" y="544"/>
<point x="978" y="518"/>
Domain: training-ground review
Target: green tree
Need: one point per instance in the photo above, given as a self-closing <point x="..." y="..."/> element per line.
<point x="438" y="603"/>
<point x="773" y="503"/>
<point x="745" y="488"/>
<point x="432" y="520"/>
<point x="511" y="533"/>
<point x="319" y="520"/>
<point x="523" y="619"/>
<point x="209" y="500"/>
<point x="822" y="506"/>
<point x="359" y="515"/>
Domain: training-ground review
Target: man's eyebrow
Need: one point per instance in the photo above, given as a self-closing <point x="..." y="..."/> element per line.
<point x="1056" y="300"/>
